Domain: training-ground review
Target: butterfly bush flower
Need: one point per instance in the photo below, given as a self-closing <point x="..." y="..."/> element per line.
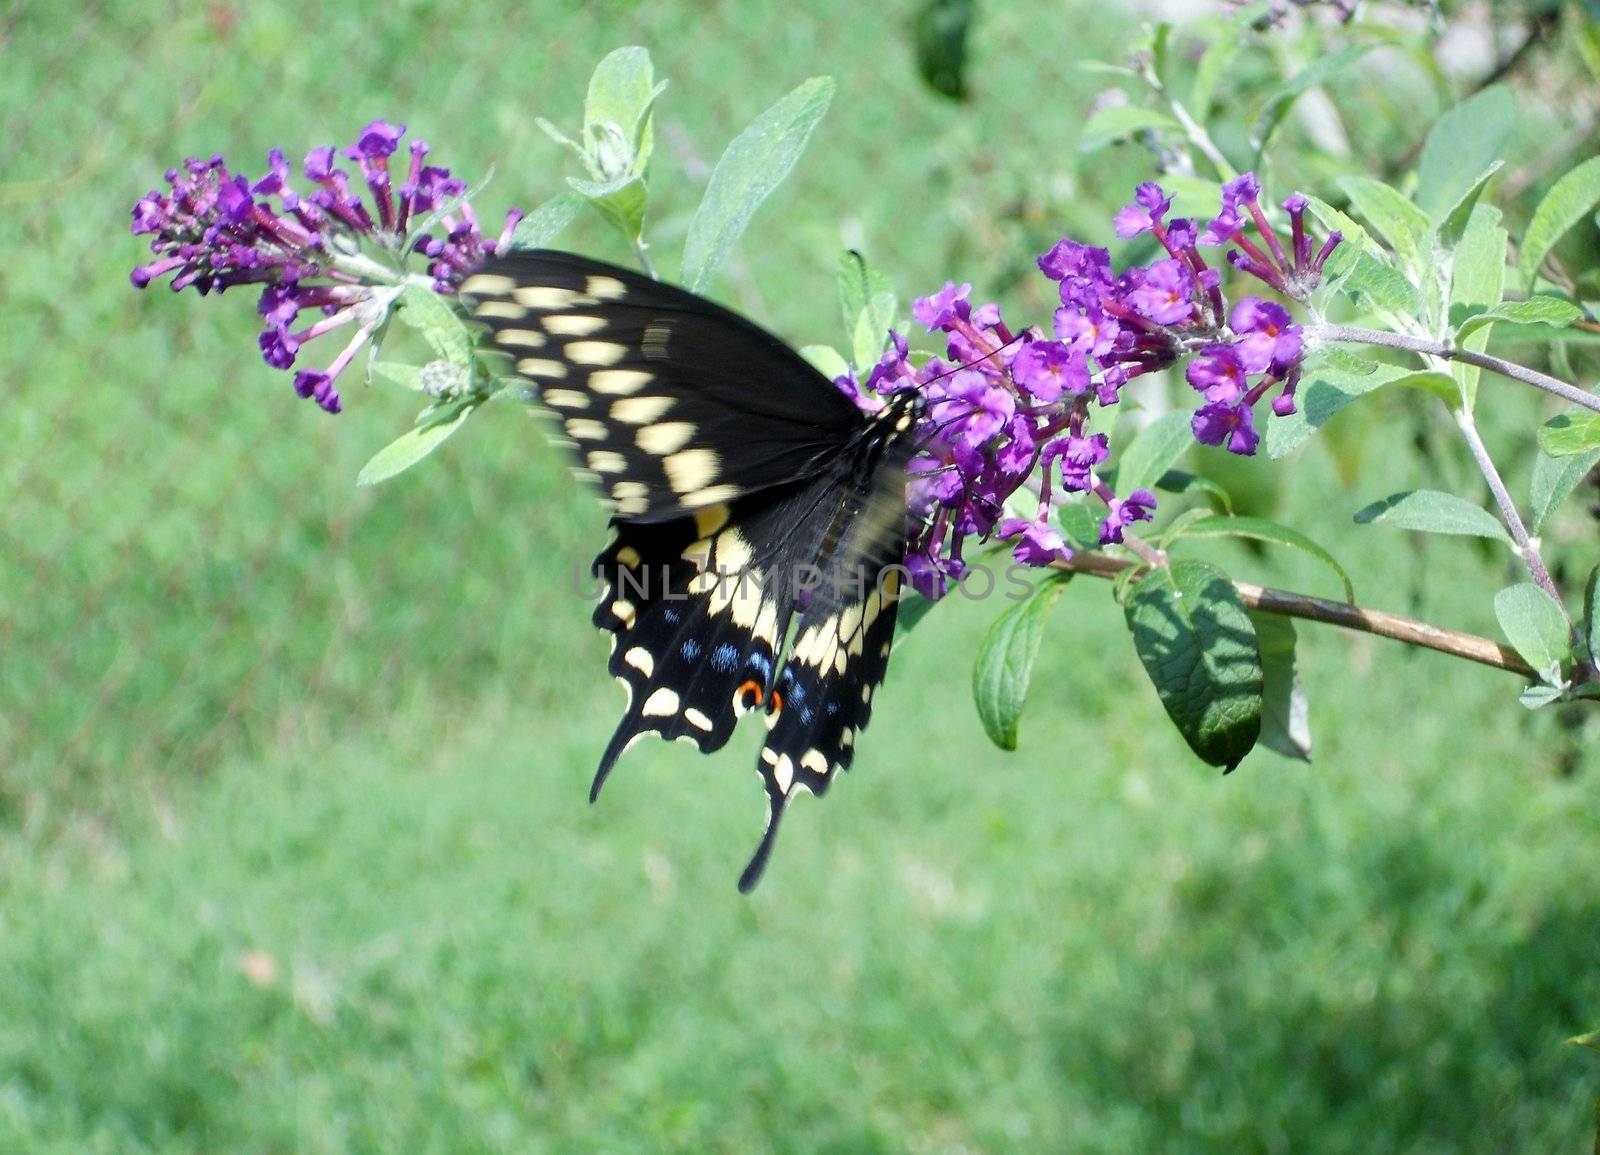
<point x="331" y="245"/>
<point x="1006" y="411"/>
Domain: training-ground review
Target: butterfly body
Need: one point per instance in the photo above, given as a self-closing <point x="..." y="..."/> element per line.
<point x="759" y="516"/>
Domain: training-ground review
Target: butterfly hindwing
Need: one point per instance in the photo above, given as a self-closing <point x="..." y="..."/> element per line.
<point x="842" y="640"/>
<point x="672" y="402"/>
<point x="698" y="608"/>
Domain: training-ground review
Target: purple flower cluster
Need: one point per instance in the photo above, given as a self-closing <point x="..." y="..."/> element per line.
<point x="215" y="229"/>
<point x="1012" y="410"/>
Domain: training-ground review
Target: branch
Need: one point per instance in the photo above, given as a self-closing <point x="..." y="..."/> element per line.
<point x="1467" y="356"/>
<point x="1484" y="651"/>
<point x="1526" y="547"/>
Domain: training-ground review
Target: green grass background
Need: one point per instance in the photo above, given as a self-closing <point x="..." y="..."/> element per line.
<point x="294" y="853"/>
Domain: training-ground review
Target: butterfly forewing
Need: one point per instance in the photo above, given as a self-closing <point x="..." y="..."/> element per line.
<point x="672" y="402"/>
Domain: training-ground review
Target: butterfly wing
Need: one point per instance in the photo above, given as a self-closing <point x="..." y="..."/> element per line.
<point x="840" y="653"/>
<point x="672" y="402"/>
<point x="746" y="489"/>
<point x="697" y="609"/>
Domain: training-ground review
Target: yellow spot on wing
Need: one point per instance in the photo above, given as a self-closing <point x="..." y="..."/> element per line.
<point x="544" y="296"/>
<point x="595" y="352"/>
<point x="574" y="324"/>
<point x="520" y="338"/>
<point x="710" y="496"/>
<point x="690" y="469"/>
<point x="708" y="521"/>
<point x="607" y="461"/>
<point x="506" y="310"/>
<point x="606" y="288"/>
<point x="586" y="429"/>
<point x="663" y="703"/>
<point x="618" y="381"/>
<point x="639" y="658"/>
<point x="640" y="410"/>
<point x="565" y="398"/>
<point x="541" y="367"/>
<point x="487" y="285"/>
<point x="667" y="437"/>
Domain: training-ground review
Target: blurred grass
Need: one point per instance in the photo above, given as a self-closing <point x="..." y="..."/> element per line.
<point x="293" y="849"/>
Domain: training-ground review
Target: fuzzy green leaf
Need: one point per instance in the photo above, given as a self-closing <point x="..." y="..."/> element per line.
<point x="1569" y="201"/>
<point x="547" y="222"/>
<point x="1554" y="479"/>
<point x="440" y="325"/>
<point x="1154" y="450"/>
<point x="1433" y="511"/>
<point x="1005" y="661"/>
<point x="1285" y="711"/>
<point x="827" y="360"/>
<point x="1570" y="433"/>
<point x="1535" y="626"/>
<point x="415" y="444"/>
<point x="1120" y="121"/>
<point x="1331" y="379"/>
<point x="1264" y="529"/>
<point x="1406" y="227"/>
<point x="1462" y="144"/>
<point x="753" y="165"/>
<point x="1197" y="643"/>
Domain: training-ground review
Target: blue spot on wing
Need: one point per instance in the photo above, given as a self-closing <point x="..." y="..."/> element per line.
<point x="673" y="616"/>
<point x="690" y="649"/>
<point x="832" y="708"/>
<point x="725" y="658"/>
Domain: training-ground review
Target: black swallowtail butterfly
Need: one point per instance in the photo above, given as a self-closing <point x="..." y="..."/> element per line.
<point x="748" y="494"/>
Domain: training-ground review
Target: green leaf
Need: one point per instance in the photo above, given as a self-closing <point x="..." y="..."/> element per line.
<point x="1406" y="227"/>
<point x="1464" y="142"/>
<point x="411" y="447"/>
<point x="1078" y="525"/>
<point x="1119" y="121"/>
<point x="1005" y="661"/>
<point x="1569" y="201"/>
<point x="1591" y="625"/>
<point x="440" y="325"/>
<point x="1554" y="479"/>
<point x="1477" y="282"/>
<point x="1455" y="220"/>
<point x="1535" y="626"/>
<point x="872" y="330"/>
<point x="544" y="224"/>
<point x="1371" y="282"/>
<point x="1556" y="312"/>
<point x="1154" y="450"/>
<point x="1213" y="66"/>
<point x="859" y="282"/>
<point x="1331" y="379"/>
<point x="825" y="359"/>
<point x="755" y="163"/>
<point x="1198" y="645"/>
<point x="1264" y="529"/>
<point x="1541" y="694"/>
<point x="1285" y="711"/>
<point x="1177" y="481"/>
<point x="1432" y="511"/>
<point x="399" y="373"/>
<point x="1568" y="433"/>
<point x="1591" y="1040"/>
<point x="621" y="93"/>
<point x="621" y="201"/>
<point x="1323" y="69"/>
<point x="939" y="33"/>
